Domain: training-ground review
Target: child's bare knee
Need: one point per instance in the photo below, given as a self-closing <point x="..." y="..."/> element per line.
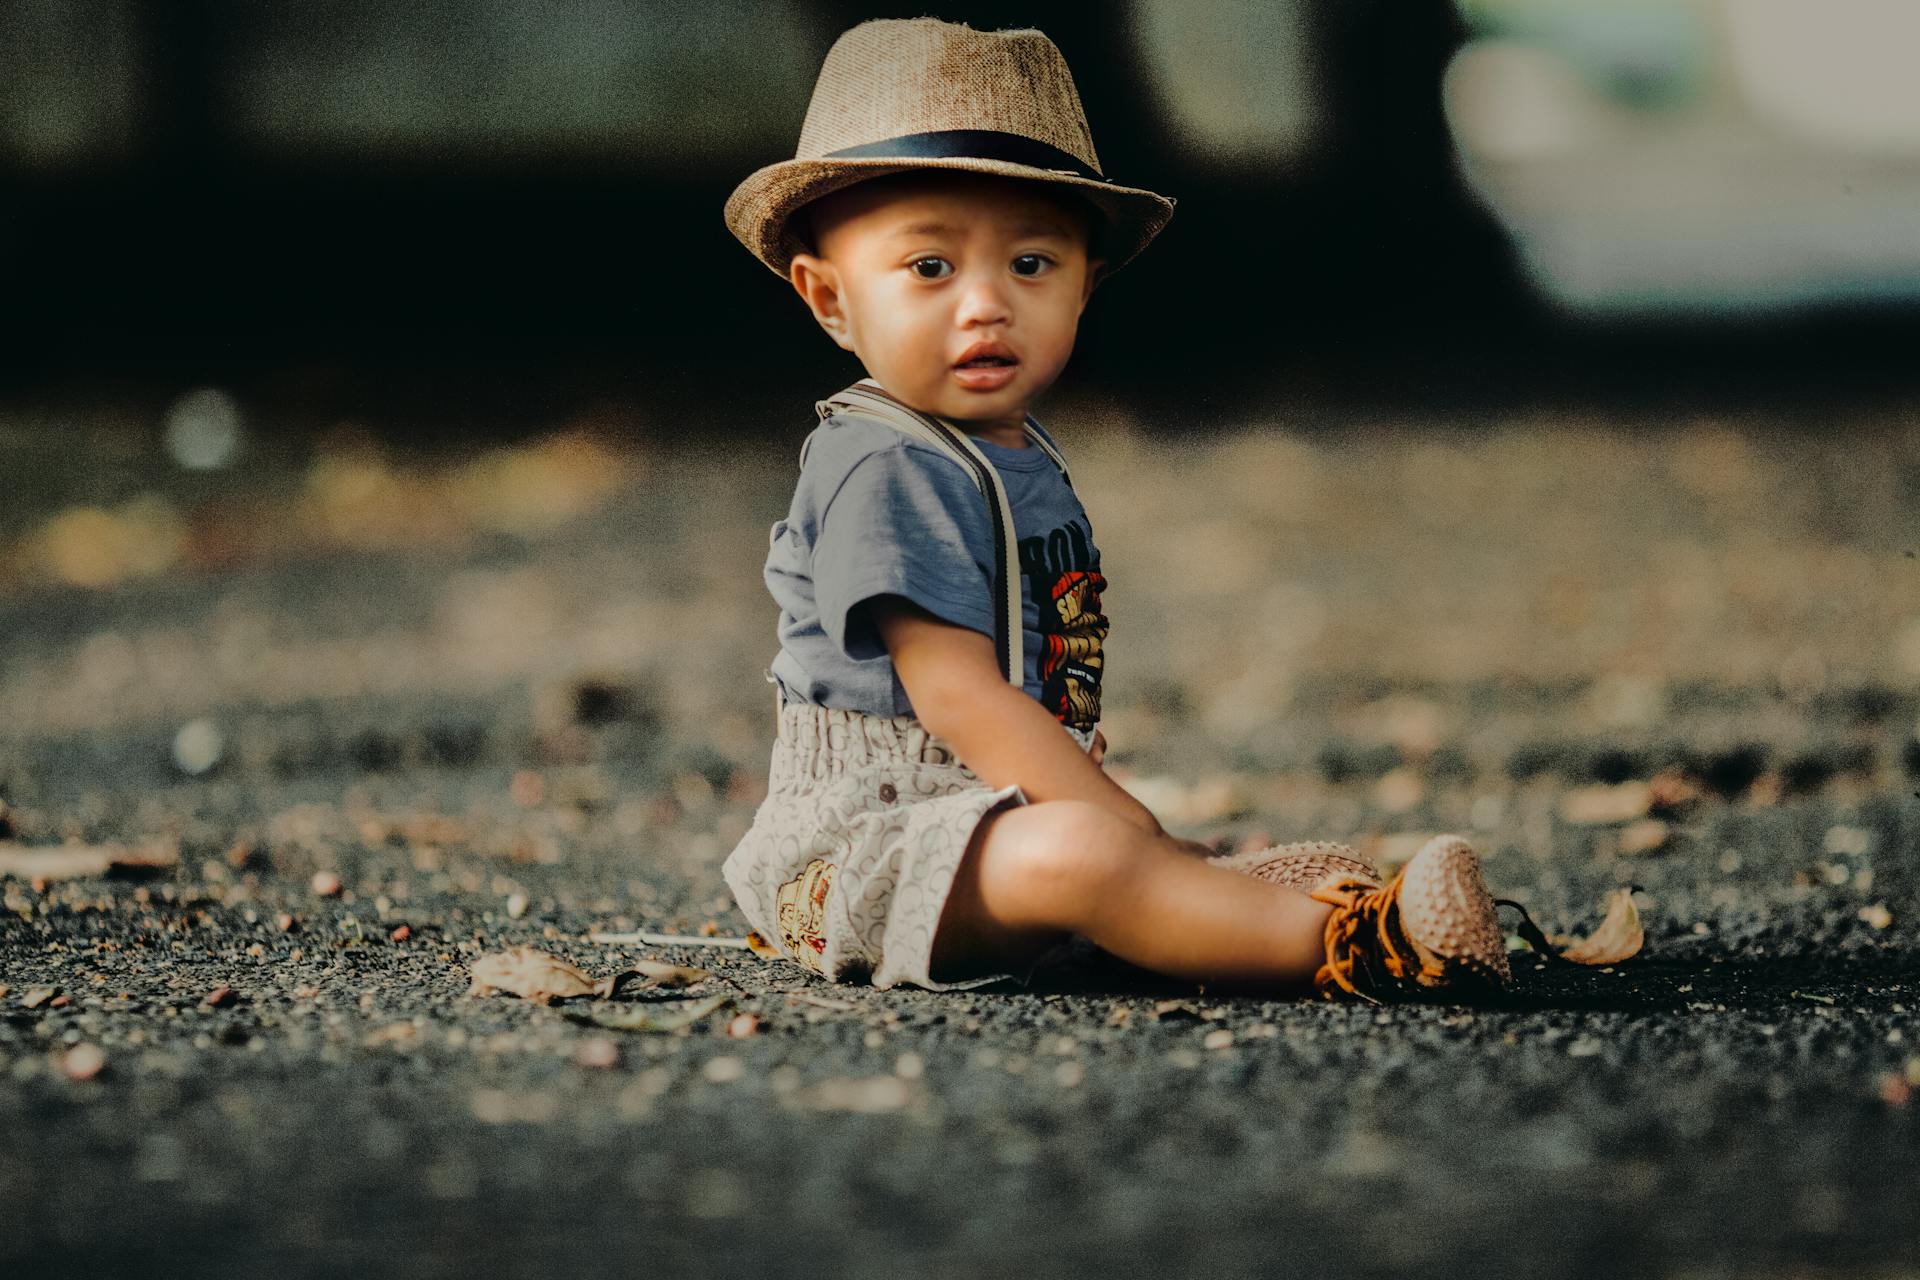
<point x="1057" y="852"/>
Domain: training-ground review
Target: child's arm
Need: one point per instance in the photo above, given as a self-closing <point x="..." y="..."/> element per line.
<point x="958" y="691"/>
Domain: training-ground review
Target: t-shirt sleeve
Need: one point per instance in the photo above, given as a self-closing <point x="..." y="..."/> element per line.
<point x="904" y="522"/>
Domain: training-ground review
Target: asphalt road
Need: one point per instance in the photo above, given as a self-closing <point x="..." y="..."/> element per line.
<point x="1673" y="654"/>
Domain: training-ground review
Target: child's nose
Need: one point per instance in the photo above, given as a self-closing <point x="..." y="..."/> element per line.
<point x="984" y="298"/>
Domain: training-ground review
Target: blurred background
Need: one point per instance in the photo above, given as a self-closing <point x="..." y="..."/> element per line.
<point x="1474" y="200"/>
<point x="355" y="277"/>
<point x="352" y="275"/>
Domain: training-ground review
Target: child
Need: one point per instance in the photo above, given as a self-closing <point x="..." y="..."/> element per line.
<point x="936" y="811"/>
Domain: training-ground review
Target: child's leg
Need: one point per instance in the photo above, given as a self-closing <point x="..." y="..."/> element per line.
<point x="1035" y="872"/>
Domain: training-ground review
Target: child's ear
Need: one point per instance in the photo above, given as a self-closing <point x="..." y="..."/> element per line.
<point x="817" y="281"/>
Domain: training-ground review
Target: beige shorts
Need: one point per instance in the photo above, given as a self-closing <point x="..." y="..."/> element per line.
<point x="850" y="858"/>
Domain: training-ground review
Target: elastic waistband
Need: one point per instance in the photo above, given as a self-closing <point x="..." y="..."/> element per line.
<point x="823" y="742"/>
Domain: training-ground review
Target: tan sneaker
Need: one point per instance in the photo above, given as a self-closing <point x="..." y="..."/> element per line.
<point x="1433" y="925"/>
<point x="1303" y="866"/>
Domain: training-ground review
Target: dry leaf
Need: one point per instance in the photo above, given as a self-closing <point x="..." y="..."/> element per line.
<point x="1618" y="937"/>
<point x="647" y="1017"/>
<point x="1671" y="789"/>
<point x="839" y="1006"/>
<point x="66" y="862"/>
<point x="1597" y="805"/>
<point x="1648" y="835"/>
<point x="396" y="1033"/>
<point x="761" y="947"/>
<point x="536" y="976"/>
<point x="658" y="973"/>
<point x="869" y="1096"/>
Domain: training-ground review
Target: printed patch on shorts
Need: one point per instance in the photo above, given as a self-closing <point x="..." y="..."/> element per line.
<point x="802" y="913"/>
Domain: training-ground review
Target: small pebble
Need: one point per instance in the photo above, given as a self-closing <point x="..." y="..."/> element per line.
<point x="219" y="998"/>
<point x="197" y="747"/>
<point x="599" y="1053"/>
<point x="326" y="884"/>
<point x="724" y="1069"/>
<point x="83" y="1061"/>
<point x="204" y="429"/>
<point x="402" y="933"/>
<point x="743" y="1025"/>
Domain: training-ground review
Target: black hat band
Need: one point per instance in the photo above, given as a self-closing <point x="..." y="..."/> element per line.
<point x="973" y="144"/>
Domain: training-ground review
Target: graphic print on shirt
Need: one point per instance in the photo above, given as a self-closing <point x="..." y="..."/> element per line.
<point x="1061" y="577"/>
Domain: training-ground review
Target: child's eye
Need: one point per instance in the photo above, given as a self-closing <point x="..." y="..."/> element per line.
<point x="1040" y="261"/>
<point x="936" y="274"/>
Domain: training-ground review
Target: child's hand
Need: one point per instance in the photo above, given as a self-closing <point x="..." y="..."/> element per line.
<point x="1099" y="751"/>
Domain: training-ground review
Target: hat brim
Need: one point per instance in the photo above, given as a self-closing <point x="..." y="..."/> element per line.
<point x="761" y="207"/>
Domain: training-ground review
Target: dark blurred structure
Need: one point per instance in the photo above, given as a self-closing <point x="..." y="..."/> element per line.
<point x="215" y="181"/>
<point x="201" y="188"/>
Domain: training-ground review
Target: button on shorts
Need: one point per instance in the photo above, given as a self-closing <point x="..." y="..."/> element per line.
<point x="850" y="857"/>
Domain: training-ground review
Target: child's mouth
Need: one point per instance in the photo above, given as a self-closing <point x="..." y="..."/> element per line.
<point x="987" y="373"/>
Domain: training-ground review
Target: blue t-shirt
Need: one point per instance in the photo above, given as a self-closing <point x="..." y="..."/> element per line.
<point x="878" y="512"/>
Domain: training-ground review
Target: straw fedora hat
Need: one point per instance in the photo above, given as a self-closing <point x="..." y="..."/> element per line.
<point x="919" y="93"/>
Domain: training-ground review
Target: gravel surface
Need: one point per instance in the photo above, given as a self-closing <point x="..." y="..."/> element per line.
<point x="389" y="713"/>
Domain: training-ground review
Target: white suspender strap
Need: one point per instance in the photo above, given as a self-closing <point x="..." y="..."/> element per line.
<point x="867" y="398"/>
<point x="1007" y="569"/>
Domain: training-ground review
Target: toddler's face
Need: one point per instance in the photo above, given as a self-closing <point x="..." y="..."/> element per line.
<point x="917" y="272"/>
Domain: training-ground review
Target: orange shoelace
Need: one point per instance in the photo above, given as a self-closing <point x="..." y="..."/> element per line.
<point x="1364" y="928"/>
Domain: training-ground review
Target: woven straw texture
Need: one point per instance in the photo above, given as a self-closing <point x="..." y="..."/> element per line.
<point x="894" y="76"/>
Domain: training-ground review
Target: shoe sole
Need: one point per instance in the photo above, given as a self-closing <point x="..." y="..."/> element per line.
<point x="1447" y="910"/>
